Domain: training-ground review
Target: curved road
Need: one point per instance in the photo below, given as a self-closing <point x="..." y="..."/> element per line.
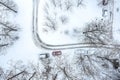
<point x="40" y="43"/>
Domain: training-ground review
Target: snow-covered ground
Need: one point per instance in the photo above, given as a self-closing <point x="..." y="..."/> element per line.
<point x="70" y="31"/>
<point x="25" y="49"/>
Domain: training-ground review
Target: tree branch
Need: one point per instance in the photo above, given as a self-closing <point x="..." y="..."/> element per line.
<point x="5" y="25"/>
<point x="15" y="75"/>
<point x="2" y="45"/>
<point x="32" y="75"/>
<point x="8" y="7"/>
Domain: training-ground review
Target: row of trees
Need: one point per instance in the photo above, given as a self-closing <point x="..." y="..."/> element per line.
<point x="86" y="64"/>
<point x="52" y="10"/>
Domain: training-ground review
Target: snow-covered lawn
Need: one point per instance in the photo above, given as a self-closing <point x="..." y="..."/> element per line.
<point x="60" y="23"/>
<point x="68" y="19"/>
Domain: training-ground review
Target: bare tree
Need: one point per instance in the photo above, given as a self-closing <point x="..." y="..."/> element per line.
<point x="68" y="5"/>
<point x="94" y="64"/>
<point x="51" y="23"/>
<point x="8" y="5"/>
<point x="91" y="63"/>
<point x="53" y="2"/>
<point x="98" y="32"/>
<point x="64" y="19"/>
<point x="79" y="2"/>
<point x="8" y="31"/>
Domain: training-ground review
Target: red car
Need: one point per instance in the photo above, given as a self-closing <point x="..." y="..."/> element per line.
<point x="56" y="53"/>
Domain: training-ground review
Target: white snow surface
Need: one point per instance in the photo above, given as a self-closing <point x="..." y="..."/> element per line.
<point x="77" y="18"/>
<point x="24" y="49"/>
